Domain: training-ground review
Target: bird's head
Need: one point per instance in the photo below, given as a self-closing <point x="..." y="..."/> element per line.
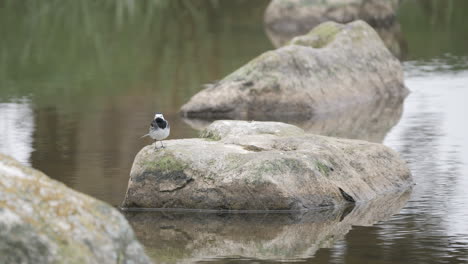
<point x="159" y="115"/>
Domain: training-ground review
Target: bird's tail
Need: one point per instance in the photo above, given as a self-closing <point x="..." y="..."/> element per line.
<point x="144" y="136"/>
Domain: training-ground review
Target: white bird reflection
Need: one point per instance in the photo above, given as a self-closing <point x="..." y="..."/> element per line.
<point x="16" y="129"/>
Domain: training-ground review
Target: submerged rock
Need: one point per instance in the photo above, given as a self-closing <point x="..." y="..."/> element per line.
<point x="334" y="66"/>
<point x="188" y="237"/>
<point x="286" y="19"/>
<point x="43" y="221"/>
<point x="240" y="165"/>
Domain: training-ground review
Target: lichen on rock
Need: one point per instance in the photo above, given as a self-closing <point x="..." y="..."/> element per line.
<point x="320" y="36"/>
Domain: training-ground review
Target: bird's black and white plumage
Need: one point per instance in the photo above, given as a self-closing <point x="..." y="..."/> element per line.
<point x="159" y="128"/>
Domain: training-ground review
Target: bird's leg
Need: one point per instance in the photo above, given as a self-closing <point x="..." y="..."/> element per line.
<point x="155" y="145"/>
<point x="162" y="145"/>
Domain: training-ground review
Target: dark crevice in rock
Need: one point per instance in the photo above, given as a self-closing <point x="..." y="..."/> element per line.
<point x="248" y="83"/>
<point x="178" y="187"/>
<point x="252" y="148"/>
<point x="346" y="196"/>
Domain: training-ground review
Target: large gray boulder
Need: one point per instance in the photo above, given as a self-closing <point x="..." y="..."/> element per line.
<point x="43" y="221"/>
<point x="241" y="165"/>
<point x="333" y="67"/>
<point x="286" y="19"/>
<point x="188" y="237"/>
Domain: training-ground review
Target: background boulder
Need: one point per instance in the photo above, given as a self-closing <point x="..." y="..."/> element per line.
<point x="333" y="67"/>
<point x="286" y="19"/>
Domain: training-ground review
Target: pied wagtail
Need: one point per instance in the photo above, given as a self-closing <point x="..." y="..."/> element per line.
<point x="159" y="129"/>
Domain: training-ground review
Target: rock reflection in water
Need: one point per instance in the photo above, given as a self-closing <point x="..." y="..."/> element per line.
<point x="285" y="20"/>
<point x="369" y="122"/>
<point x="186" y="237"/>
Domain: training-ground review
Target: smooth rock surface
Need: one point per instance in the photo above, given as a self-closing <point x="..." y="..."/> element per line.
<point x="286" y="19"/>
<point x="43" y="221"/>
<point x="188" y="237"/>
<point x="241" y="165"/>
<point x="333" y="67"/>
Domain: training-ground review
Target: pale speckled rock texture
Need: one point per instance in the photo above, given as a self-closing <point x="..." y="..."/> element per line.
<point x="291" y="236"/>
<point x="333" y="67"/>
<point x="241" y="165"/>
<point x="43" y="221"/>
<point x="286" y="19"/>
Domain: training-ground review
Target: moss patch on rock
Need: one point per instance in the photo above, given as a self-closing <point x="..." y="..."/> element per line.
<point x="324" y="169"/>
<point x="210" y="135"/>
<point x="320" y="36"/>
<point x="164" y="163"/>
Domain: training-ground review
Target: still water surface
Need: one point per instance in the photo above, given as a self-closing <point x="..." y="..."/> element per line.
<point x="78" y="89"/>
